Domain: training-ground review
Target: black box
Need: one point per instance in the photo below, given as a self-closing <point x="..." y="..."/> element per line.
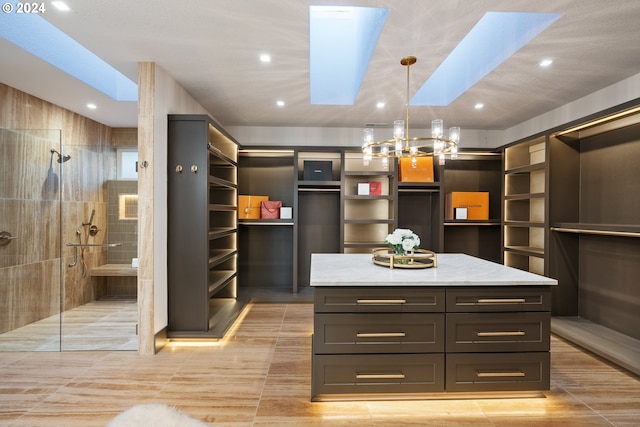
<point x="318" y="170"/>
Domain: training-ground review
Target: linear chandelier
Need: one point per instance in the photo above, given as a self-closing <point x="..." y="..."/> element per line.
<point x="404" y="146"/>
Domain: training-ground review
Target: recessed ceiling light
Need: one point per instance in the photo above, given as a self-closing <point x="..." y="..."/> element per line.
<point x="280" y="103"/>
<point x="545" y="62"/>
<point x="380" y="104"/>
<point x="60" y="5"/>
<point x="265" y="57"/>
<point x="479" y="106"/>
<point x="92" y="106"/>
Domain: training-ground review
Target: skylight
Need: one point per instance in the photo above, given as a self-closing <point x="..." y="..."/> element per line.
<point x="37" y="36"/>
<point x="342" y="41"/>
<point x="496" y="37"/>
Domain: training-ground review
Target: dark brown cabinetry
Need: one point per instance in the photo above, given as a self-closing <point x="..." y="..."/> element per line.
<point x="525" y="206"/>
<point x="266" y="246"/>
<point x="202" y="230"/>
<point x="318" y="210"/>
<point x="474" y="172"/>
<point x="594" y="243"/>
<point x="329" y="216"/>
<point x="498" y="339"/>
<point x="367" y="218"/>
<point x="393" y="342"/>
<point x="381" y="341"/>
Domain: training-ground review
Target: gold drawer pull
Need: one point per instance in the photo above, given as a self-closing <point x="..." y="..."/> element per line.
<point x="484" y="374"/>
<point x="381" y="301"/>
<point x="501" y="300"/>
<point x="501" y="334"/>
<point x="390" y="376"/>
<point x="380" y="334"/>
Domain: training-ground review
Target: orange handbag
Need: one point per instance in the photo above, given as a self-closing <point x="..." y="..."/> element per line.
<point x="270" y="209"/>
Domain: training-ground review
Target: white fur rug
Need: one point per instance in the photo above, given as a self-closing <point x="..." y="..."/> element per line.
<point x="154" y="415"/>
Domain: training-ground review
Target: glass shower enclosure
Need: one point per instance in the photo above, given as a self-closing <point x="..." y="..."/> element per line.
<point x="50" y="238"/>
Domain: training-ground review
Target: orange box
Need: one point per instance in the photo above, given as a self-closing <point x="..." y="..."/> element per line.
<point x="423" y="172"/>
<point x="249" y="206"/>
<point x="477" y="204"/>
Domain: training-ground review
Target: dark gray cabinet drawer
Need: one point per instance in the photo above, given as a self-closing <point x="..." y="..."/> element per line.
<point x="377" y="373"/>
<point x="378" y="333"/>
<point x="533" y="298"/>
<point x="469" y="372"/>
<point x="498" y="332"/>
<point x="378" y="300"/>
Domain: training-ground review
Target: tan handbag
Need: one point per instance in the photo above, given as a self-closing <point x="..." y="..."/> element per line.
<point x="270" y="209"/>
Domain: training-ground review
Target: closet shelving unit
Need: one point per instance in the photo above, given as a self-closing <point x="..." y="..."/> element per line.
<point x="267" y="257"/>
<point x="594" y="245"/>
<point x="474" y="171"/>
<point x="202" y="228"/>
<point x="318" y="210"/>
<point x="367" y="219"/>
<point x="524" y="205"/>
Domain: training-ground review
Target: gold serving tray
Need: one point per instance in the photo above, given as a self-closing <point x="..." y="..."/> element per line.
<point x="420" y="258"/>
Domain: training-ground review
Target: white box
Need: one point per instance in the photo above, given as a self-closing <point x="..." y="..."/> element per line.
<point x="286" y="212"/>
<point x="460" y="213"/>
<point x="363" y="189"/>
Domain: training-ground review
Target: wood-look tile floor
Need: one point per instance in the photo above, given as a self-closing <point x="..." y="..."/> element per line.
<point x="108" y="324"/>
<point x="259" y="375"/>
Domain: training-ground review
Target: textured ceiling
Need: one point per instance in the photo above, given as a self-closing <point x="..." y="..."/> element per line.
<point x="211" y="48"/>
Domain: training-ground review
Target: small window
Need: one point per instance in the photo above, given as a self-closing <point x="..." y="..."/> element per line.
<point x="127" y="163"/>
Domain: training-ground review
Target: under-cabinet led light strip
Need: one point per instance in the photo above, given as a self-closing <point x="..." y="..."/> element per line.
<point x="600" y="121"/>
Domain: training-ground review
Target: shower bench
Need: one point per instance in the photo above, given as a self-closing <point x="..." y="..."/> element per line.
<point x="119" y="280"/>
<point x="119" y="270"/>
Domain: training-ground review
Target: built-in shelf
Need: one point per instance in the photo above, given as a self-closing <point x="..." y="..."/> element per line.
<point x="303" y="185"/>
<point x="526" y="250"/>
<point x="524" y="213"/>
<point x="265" y="222"/>
<point x="524" y="196"/>
<point x="202" y="228"/>
<point x="612" y="345"/>
<point x="526" y="168"/>
<point x="598" y="229"/>
<point x="594" y="250"/>
<point x="473" y="223"/>
<point x="114" y="270"/>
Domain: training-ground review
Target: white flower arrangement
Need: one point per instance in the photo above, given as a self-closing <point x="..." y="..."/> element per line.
<point x="402" y="241"/>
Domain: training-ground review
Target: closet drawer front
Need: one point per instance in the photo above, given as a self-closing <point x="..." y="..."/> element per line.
<point x="378" y="373"/>
<point x="469" y="372"/>
<point x="534" y="298"/>
<point x="498" y="332"/>
<point x="378" y="300"/>
<point x="378" y="333"/>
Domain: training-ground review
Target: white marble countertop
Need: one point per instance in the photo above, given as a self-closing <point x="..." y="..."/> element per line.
<point x="452" y="270"/>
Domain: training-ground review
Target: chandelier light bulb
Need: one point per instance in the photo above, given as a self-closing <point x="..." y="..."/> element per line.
<point x="454" y="134"/>
<point x="437" y="128"/>
<point x="398" y="129"/>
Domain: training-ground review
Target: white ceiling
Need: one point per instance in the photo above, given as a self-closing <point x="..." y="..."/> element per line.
<point x="211" y="48"/>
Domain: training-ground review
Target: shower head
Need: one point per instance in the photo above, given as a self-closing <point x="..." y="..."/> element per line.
<point x="61" y="158"/>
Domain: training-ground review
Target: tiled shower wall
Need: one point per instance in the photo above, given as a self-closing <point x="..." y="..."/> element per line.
<point x="83" y="183"/>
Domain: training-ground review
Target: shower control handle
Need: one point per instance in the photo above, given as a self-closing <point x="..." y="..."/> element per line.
<point x="6" y="238"/>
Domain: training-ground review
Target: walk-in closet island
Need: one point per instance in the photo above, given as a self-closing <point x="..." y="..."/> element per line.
<point x="466" y="326"/>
